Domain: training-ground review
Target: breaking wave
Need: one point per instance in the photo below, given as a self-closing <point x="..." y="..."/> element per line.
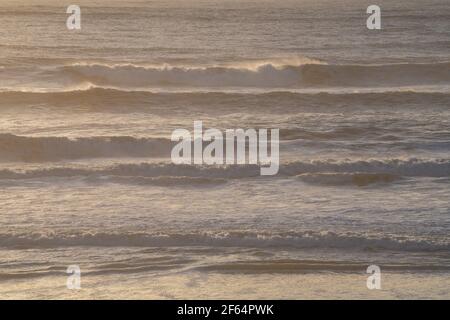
<point x="263" y="76"/>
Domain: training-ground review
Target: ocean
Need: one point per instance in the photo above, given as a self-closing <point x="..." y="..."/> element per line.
<point x="86" y="177"/>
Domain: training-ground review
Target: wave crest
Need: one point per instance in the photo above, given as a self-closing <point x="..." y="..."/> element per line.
<point x="263" y="76"/>
<point x="105" y="99"/>
<point x="253" y="239"/>
<point x="397" y="167"/>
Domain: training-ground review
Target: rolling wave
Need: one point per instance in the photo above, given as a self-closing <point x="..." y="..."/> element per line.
<point x="263" y="76"/>
<point x="161" y="181"/>
<point x="397" y="167"/>
<point x="107" y="99"/>
<point x="252" y="239"/>
<point x="39" y="149"/>
<point x="284" y="266"/>
<point x="358" y="179"/>
<point x="30" y="149"/>
<point x="135" y="266"/>
<point x="293" y="266"/>
<point x="385" y="169"/>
